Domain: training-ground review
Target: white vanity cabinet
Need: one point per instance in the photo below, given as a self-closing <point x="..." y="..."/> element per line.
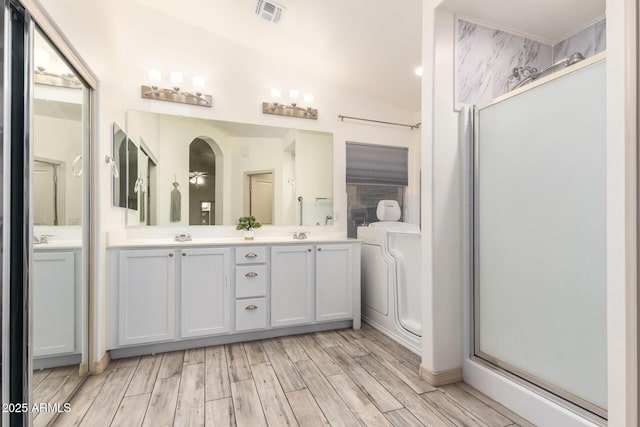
<point x="251" y="288"/>
<point x="334" y="278"/>
<point x="190" y="295"/>
<point x="204" y="291"/>
<point x="147" y="297"/>
<point x="54" y="303"/>
<point x="291" y="285"/>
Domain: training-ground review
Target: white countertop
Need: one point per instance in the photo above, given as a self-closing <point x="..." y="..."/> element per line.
<point x="228" y="241"/>
<point x="58" y="244"/>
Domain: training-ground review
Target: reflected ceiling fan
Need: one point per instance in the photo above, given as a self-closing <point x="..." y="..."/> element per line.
<point x="197" y="178"/>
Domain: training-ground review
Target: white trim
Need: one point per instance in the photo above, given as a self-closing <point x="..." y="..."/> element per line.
<point x="526" y="403"/>
<point x="621" y="169"/>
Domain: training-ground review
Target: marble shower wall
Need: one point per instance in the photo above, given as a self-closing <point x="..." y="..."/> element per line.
<point x="588" y="42"/>
<point x="486" y="57"/>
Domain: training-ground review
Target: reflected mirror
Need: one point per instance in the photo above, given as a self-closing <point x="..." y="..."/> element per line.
<point x="60" y="129"/>
<point x="208" y="172"/>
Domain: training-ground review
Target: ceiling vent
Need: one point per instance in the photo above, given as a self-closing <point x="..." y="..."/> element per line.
<point x="269" y="10"/>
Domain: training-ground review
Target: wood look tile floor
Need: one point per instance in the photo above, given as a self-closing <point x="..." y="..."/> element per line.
<point x="337" y="378"/>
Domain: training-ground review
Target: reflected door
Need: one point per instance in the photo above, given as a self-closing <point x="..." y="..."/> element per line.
<point x="45" y="193"/>
<point x="261" y="197"/>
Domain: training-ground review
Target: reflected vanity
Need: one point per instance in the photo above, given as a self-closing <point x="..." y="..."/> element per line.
<point x="187" y="171"/>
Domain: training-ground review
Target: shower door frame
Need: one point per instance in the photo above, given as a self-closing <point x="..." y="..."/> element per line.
<point x="550" y="391"/>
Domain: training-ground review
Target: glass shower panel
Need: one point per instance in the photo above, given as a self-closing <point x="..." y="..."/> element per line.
<point x="540" y="289"/>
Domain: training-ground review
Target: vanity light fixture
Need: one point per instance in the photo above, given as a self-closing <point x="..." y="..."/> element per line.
<point x="44" y="75"/>
<point x="293" y="109"/>
<point x="175" y="94"/>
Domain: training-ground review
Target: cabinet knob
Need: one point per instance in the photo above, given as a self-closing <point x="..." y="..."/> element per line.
<point x="251" y="307"/>
<point x="251" y="274"/>
<point x="251" y="255"/>
<point x="183" y="254"/>
<point x="309" y="250"/>
<point x="319" y="249"/>
<point x="171" y="254"/>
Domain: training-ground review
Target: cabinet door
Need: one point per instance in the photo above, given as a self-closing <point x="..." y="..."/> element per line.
<point x="204" y="292"/>
<point x="53" y="303"/>
<point x="291" y="285"/>
<point x="147" y="296"/>
<point x="334" y="282"/>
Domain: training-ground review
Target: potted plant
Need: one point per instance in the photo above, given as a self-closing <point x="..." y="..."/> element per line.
<point x="248" y="223"/>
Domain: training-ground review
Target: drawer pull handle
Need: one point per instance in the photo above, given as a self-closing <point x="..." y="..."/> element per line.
<point x="251" y="307"/>
<point x="251" y="274"/>
<point x="251" y="255"/>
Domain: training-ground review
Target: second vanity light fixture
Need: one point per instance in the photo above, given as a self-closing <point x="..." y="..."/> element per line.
<point x="43" y="74"/>
<point x="175" y="94"/>
<point x="292" y="110"/>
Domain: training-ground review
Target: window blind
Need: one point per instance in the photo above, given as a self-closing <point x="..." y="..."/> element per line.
<point x="377" y="164"/>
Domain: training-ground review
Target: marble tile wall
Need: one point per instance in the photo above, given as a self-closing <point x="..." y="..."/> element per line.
<point x="588" y="42"/>
<point x="486" y="57"/>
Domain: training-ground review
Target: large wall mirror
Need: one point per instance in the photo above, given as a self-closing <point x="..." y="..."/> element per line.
<point x="60" y="177"/>
<point x="192" y="171"/>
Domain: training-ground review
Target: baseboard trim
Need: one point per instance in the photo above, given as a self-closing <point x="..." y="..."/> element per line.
<point x="441" y="378"/>
<point x="101" y="365"/>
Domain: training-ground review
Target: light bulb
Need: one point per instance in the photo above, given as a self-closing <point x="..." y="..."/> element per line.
<point x="176" y="80"/>
<point x="41" y="59"/>
<point x="418" y="71"/>
<point x="276" y="96"/>
<point x="198" y="85"/>
<point x="308" y="100"/>
<point x="294" y="96"/>
<point x="155" y="77"/>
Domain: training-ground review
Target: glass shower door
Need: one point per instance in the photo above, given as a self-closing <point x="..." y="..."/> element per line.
<point x="540" y="288"/>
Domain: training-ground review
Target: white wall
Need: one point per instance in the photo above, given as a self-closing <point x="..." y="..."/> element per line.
<point x="121" y="41"/>
<point x="442" y="198"/>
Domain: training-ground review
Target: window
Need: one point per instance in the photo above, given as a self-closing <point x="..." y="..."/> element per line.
<point x="374" y="173"/>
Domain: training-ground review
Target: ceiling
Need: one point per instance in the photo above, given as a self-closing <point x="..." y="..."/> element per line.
<point x="372" y="46"/>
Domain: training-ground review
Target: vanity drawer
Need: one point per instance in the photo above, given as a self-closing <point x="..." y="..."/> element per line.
<point x="251" y="281"/>
<point x="251" y="255"/>
<point x="251" y="314"/>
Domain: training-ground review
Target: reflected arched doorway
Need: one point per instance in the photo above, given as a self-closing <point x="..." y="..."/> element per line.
<point x="206" y="166"/>
<point x="202" y="183"/>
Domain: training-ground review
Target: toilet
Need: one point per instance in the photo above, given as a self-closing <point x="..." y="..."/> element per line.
<point x="392" y="276"/>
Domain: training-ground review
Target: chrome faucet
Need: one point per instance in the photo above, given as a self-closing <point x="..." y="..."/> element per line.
<point x="41" y="240"/>
<point x="327" y="219"/>
<point x="300" y="235"/>
<point x="183" y="237"/>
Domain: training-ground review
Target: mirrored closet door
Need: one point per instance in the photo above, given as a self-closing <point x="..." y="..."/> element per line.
<point x="60" y="130"/>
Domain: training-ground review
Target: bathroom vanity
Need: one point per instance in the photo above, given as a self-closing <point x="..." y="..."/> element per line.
<point x="58" y="303"/>
<point x="167" y="295"/>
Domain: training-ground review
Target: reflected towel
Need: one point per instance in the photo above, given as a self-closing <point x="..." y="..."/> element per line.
<point x="174" y="215"/>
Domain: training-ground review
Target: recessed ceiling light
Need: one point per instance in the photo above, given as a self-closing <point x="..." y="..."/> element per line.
<point x="418" y="71"/>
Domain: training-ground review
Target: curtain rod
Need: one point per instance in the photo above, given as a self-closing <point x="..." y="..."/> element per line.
<point x="412" y="127"/>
